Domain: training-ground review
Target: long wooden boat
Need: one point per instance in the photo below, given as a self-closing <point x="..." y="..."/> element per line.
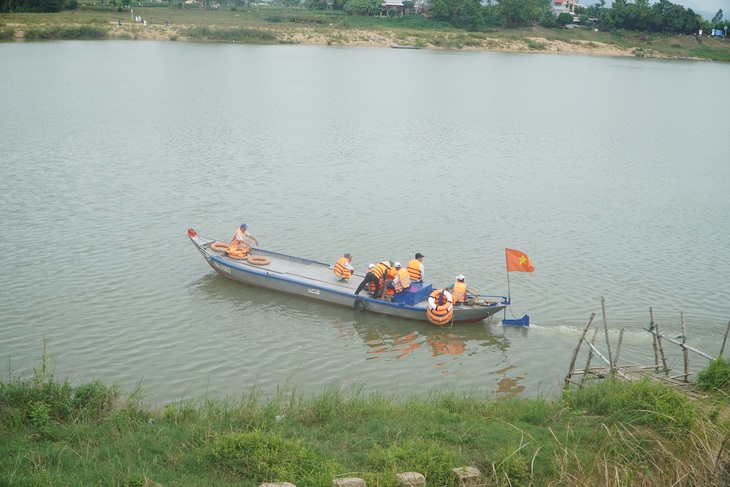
<point x="315" y="280"/>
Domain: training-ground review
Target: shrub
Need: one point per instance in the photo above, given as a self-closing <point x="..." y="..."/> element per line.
<point x="244" y="35"/>
<point x="564" y="19"/>
<point x="645" y="402"/>
<point x="7" y="34"/>
<point x="414" y="455"/>
<point x="715" y="377"/>
<point x="38" y="401"/>
<point x="258" y="457"/>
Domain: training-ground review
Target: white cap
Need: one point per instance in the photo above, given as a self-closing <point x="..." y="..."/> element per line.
<point x="460" y="277"/>
<point x="371" y="266"/>
<point x="397" y="264"/>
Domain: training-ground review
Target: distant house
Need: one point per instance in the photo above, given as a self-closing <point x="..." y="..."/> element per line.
<point x="396" y="5"/>
<point x="560" y="6"/>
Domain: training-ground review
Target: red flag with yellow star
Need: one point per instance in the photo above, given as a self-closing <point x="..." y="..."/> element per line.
<point x="518" y="261"/>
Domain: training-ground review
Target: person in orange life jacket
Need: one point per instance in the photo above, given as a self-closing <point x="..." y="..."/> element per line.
<point x="371" y="285"/>
<point x="401" y="281"/>
<point x="375" y="275"/>
<point x="239" y="243"/>
<point x="343" y="269"/>
<point x="389" y="276"/>
<point x="459" y="290"/>
<point x="415" y="268"/>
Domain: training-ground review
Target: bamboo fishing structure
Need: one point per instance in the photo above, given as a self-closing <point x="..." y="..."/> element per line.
<point x="611" y="366"/>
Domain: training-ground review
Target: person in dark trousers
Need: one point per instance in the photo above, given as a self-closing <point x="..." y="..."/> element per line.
<point x="376" y="276"/>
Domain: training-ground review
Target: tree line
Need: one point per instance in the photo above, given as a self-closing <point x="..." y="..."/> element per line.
<point x="663" y="16"/>
<point x="639" y="15"/>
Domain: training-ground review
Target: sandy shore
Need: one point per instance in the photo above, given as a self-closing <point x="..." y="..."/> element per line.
<point x="353" y="37"/>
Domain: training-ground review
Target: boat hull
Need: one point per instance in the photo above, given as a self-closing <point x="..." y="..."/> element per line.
<point x="315" y="280"/>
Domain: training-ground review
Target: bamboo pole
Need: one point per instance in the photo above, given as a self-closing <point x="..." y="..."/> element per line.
<point x="608" y="362"/>
<point x="653" y="340"/>
<point x="571" y="369"/>
<point x="605" y="329"/>
<point x="655" y="331"/>
<point x="676" y="342"/>
<point x="590" y="355"/>
<point x="722" y="349"/>
<point x="685" y="353"/>
<point x="618" y="347"/>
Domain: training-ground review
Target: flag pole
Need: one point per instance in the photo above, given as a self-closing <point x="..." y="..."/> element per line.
<point x="509" y="292"/>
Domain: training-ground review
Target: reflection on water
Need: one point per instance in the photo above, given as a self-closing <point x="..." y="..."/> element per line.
<point x="508" y="386"/>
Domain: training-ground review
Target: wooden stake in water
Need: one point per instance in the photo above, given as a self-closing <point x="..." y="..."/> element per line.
<point x="618" y="347"/>
<point x="653" y="340"/>
<point x="659" y="343"/>
<point x="722" y="349"/>
<point x="605" y="329"/>
<point x="590" y="355"/>
<point x="685" y="352"/>
<point x="571" y="369"/>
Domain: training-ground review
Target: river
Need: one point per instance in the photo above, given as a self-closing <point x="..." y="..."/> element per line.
<point x="610" y="173"/>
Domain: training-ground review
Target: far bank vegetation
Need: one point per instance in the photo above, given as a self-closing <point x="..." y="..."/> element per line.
<point x="662" y="29"/>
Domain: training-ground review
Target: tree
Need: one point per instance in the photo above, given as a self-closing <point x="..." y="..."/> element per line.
<point x="717" y="18"/>
<point x="519" y="13"/>
<point x="466" y="14"/>
<point x="564" y="19"/>
<point x="362" y="7"/>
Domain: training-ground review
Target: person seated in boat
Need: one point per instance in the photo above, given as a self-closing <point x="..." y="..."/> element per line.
<point x="240" y="245"/>
<point x="401" y="280"/>
<point x="415" y="268"/>
<point x="389" y="276"/>
<point x="459" y="290"/>
<point x="376" y="276"/>
<point x="343" y="267"/>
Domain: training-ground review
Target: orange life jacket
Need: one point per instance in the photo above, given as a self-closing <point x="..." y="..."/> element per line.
<point x="238" y="248"/>
<point x="414" y="270"/>
<point x="404" y="280"/>
<point x="379" y="270"/>
<point x="459" y="292"/>
<point x="237" y="244"/>
<point x="390" y="275"/>
<point x="340" y="270"/>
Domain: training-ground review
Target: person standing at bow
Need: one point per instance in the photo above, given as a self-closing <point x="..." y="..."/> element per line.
<point x="415" y="268"/>
<point x="343" y="268"/>
<point x="239" y="245"/>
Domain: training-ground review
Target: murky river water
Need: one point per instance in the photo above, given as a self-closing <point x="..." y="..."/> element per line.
<point x="611" y="174"/>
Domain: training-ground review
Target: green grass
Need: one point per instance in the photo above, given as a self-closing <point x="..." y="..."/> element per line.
<point x="716" y="377"/>
<point x="633" y="434"/>
<point x="57" y="32"/>
<point x="6" y="33"/>
<point x="244" y="35"/>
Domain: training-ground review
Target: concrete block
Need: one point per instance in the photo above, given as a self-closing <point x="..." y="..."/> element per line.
<point x="468" y="476"/>
<point x="410" y="479"/>
<point x="348" y="482"/>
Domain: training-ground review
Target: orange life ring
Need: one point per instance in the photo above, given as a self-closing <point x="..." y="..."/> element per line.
<point x="442" y="311"/>
<point x="238" y="257"/>
<point x="219" y="246"/>
<point x="257" y="260"/>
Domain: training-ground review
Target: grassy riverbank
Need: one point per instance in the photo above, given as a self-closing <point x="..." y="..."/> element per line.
<point x="608" y="434"/>
<point x="273" y="25"/>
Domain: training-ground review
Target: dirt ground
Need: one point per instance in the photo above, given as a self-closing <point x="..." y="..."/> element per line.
<point x="352" y="37"/>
